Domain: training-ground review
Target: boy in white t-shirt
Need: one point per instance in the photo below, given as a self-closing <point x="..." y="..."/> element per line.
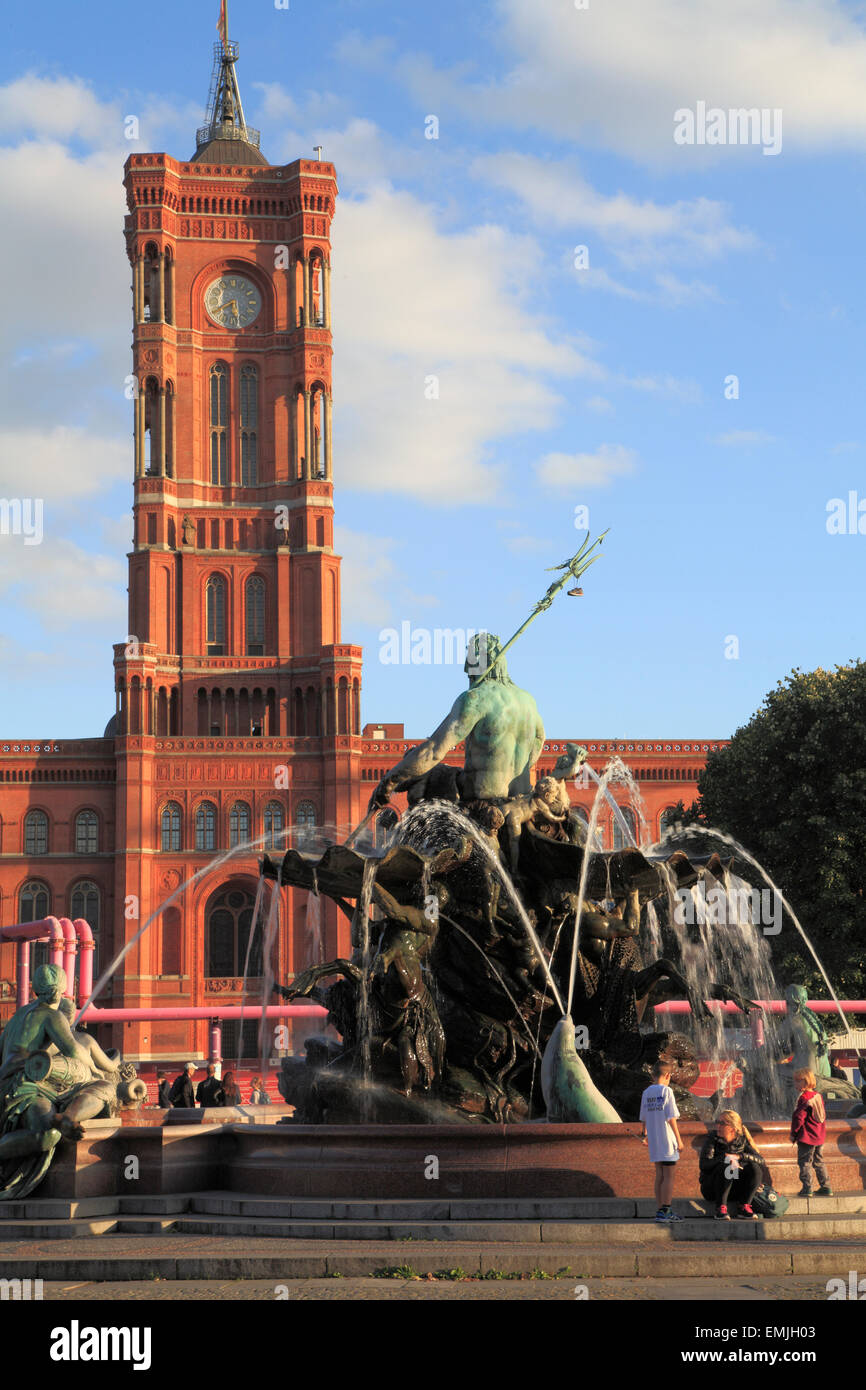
<point x="659" y="1115"/>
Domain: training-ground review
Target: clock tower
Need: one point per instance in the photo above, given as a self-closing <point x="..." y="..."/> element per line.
<point x="238" y="707"/>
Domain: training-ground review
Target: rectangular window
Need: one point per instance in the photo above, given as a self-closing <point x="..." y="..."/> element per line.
<point x="86" y="839"/>
<point x="36" y="836"/>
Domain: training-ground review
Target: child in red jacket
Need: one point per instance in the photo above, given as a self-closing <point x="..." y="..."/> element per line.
<point x="808" y="1132"/>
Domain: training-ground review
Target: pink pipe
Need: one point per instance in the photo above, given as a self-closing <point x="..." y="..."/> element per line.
<point x="95" y="1015"/>
<point x="45" y="929"/>
<point x="69" y="951"/>
<point x="770" y="1006"/>
<point x="86" y="947"/>
<point x="23" y="977"/>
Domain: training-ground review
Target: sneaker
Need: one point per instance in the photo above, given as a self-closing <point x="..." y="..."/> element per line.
<point x="675" y="1216"/>
<point x="824" y="1191"/>
<point x="722" y="1214"/>
<point x="805" y="1192"/>
<point x="662" y="1215"/>
<point x="746" y="1214"/>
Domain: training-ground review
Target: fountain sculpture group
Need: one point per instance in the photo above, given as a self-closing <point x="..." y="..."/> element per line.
<point x="495" y="920"/>
<point x="453" y="992"/>
<point x="495" y="971"/>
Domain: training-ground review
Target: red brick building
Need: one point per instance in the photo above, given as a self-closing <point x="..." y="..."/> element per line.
<point x="238" y="705"/>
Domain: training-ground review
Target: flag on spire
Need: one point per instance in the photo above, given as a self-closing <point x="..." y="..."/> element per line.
<point x="221" y="26"/>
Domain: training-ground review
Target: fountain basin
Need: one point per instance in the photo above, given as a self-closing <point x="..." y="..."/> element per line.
<point x="368" y="1162"/>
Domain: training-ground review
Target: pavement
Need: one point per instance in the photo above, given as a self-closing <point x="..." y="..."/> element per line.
<point x="121" y="1258"/>
<point x="351" y="1290"/>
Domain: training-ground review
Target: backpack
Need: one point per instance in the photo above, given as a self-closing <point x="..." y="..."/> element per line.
<point x="768" y="1202"/>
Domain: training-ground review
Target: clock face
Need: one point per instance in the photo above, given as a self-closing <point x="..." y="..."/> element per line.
<point x="232" y="301"/>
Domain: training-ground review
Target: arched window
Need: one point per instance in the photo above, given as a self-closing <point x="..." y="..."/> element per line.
<point x="35" y="834"/>
<point x="170" y="828"/>
<point x="620" y="839"/>
<point x="229" y="917"/>
<point x="305" y="816"/>
<point x="667" y="819"/>
<point x="240" y="823"/>
<point x="216" y="615"/>
<point x="205" y="826"/>
<point x="255" y="616"/>
<point x="249" y="425"/>
<point x="274" y="821"/>
<point x="86" y="834"/>
<point x="219" y="419"/>
<point x="84" y="902"/>
<point x="33" y="902"/>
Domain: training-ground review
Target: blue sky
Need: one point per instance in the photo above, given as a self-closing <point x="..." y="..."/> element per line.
<point x="559" y="387"/>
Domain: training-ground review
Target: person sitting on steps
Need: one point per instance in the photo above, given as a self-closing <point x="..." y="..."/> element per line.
<point x="730" y="1166"/>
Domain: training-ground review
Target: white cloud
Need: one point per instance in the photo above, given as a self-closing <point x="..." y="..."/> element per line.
<point x="439" y="350"/>
<point x="614" y="74"/>
<point x="55" y="106"/>
<point x="667" y="290"/>
<point x="60" y="463"/>
<point x="367" y="571"/>
<point x="116" y="534"/>
<point x="674" y="291"/>
<point x="639" y="230"/>
<point x="59" y="583"/>
<point x="567" y="471"/>
<point x="62" y="230"/>
<point x="596" y="278"/>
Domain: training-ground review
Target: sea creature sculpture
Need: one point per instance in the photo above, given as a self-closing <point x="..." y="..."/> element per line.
<point x="569" y="1092"/>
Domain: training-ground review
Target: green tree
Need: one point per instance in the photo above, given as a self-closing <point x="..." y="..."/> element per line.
<point x="791" y="787"/>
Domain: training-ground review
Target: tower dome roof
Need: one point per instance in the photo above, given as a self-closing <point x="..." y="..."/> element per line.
<point x="228" y="151"/>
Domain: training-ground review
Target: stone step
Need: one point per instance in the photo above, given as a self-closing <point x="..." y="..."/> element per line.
<point x="483" y="1209"/>
<point x="58" y="1229"/>
<point x="642" y="1231"/>
<point x="123" y="1258"/>
<point x="57" y="1208"/>
<point x="51" y="1217"/>
<point x="613" y="1233"/>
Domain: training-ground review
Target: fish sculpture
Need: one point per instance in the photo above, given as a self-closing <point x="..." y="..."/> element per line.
<point x="570" y="1094"/>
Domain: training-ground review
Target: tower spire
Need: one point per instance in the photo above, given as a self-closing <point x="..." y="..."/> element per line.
<point x="225" y="137"/>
